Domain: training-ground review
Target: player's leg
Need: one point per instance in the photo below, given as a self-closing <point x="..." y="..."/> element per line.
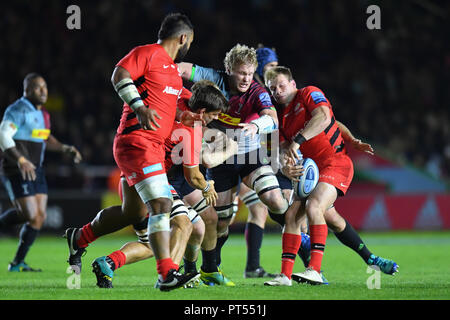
<point x="181" y="229"/>
<point x="264" y="182"/>
<point x="194" y="244"/>
<point x="108" y="220"/>
<point x="317" y="203"/>
<point x="31" y="200"/>
<point x="12" y="216"/>
<point x="254" y="232"/>
<point x="29" y="207"/>
<point x="347" y="235"/>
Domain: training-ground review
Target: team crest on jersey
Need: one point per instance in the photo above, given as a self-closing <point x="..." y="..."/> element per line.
<point x="318" y="96"/>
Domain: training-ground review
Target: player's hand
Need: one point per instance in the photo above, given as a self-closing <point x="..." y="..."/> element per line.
<point x="249" y="129"/>
<point x="210" y="195"/>
<point x="188" y="118"/>
<point x="362" y="146"/>
<point x="147" y="118"/>
<point x="73" y="152"/>
<point x="292" y="171"/>
<point x="27" y="169"/>
<point x="292" y="151"/>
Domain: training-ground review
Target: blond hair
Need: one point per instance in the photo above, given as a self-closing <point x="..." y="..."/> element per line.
<point x="240" y="54"/>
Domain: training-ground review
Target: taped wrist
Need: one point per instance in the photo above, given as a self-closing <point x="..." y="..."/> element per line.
<point x="299" y="138"/>
<point x="265" y="124"/>
<point x="128" y="92"/>
<point x="7" y="130"/>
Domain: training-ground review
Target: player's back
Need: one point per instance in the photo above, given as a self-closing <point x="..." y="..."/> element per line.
<point x="159" y="84"/>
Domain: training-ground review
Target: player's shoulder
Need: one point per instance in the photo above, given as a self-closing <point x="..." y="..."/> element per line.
<point x="314" y="93"/>
<point x="259" y="92"/>
<point x="20" y="105"/>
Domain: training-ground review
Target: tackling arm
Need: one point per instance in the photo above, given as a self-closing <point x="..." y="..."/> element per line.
<point x="217" y="151"/>
<point x="196" y="179"/>
<point x="356" y="143"/>
<point x="185" y="69"/>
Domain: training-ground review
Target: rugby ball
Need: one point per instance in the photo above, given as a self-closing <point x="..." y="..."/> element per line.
<point x="309" y="179"/>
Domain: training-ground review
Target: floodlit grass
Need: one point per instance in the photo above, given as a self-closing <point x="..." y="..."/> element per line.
<point x="423" y="258"/>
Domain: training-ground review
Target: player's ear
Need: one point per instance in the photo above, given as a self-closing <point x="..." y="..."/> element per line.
<point x="294" y="83"/>
<point x="183" y="39"/>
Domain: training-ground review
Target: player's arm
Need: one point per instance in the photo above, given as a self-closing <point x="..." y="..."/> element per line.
<point x="266" y="123"/>
<point x="196" y="179"/>
<point x="7" y="131"/>
<point x="54" y="144"/>
<point x="127" y="91"/>
<point x="216" y="151"/>
<point x="321" y="118"/>
<point x="185" y="69"/>
<point x="356" y="143"/>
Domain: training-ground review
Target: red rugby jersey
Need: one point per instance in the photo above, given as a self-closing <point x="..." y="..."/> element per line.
<point x="295" y="116"/>
<point x="184" y="145"/>
<point x="158" y="81"/>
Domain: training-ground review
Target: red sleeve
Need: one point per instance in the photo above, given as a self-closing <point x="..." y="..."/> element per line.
<point x="313" y="97"/>
<point x="136" y="62"/>
<point x="183" y="100"/>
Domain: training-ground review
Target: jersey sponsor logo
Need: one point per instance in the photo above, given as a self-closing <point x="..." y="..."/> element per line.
<point x="152" y="168"/>
<point x="40" y="133"/>
<point x="225" y="118"/>
<point x="265" y="99"/>
<point x="170" y="90"/>
<point x="318" y="97"/>
<point x="165" y="66"/>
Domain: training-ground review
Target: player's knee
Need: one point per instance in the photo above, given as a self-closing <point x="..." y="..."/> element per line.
<point x="161" y="205"/>
<point x="314" y="208"/>
<point x="182" y="223"/>
<point x="198" y="231"/>
<point x="275" y="201"/>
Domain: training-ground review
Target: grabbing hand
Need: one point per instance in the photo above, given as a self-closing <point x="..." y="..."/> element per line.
<point x="210" y="194"/>
<point x="291" y="170"/>
<point x="249" y="129"/>
<point x="147" y="118"/>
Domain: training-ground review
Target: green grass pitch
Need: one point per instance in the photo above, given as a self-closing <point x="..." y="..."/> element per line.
<point x="423" y="258"/>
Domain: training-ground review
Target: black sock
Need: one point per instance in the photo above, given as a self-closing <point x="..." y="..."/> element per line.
<point x="254" y="237"/>
<point x="10" y="218"/>
<point x="351" y="239"/>
<point x="209" y="260"/>
<point x="190" y="266"/>
<point x="26" y="238"/>
<point x="220" y="242"/>
<point x="111" y="263"/>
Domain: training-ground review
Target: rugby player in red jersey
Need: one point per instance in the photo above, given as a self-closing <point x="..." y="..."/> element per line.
<point x="148" y="81"/>
<point x="307" y="123"/>
<point x="188" y="186"/>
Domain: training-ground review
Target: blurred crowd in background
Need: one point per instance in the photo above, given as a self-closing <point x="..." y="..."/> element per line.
<point x="389" y="86"/>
